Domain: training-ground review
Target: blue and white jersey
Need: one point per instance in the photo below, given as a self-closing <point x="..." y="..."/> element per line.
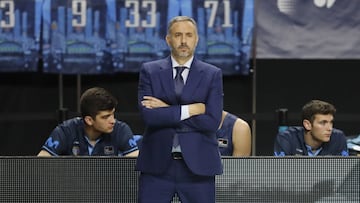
<point x="224" y="135"/>
<point x="69" y="138"/>
<point x="291" y="143"/>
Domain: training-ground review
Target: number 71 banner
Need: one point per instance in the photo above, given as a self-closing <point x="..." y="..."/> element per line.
<point x="19" y="35"/>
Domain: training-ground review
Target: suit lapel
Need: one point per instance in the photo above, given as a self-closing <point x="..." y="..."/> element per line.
<point x="193" y="80"/>
<point x="167" y="81"/>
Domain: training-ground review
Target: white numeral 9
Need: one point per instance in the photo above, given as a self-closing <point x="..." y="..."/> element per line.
<point x="79" y="9"/>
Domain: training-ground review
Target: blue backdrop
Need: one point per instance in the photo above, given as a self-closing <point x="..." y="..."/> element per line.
<point x="108" y="36"/>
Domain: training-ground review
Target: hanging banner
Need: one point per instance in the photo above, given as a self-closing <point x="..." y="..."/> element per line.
<point x="73" y="37"/>
<point x="108" y="36"/>
<point x="308" y="29"/>
<point x="20" y="22"/>
<point x="135" y="32"/>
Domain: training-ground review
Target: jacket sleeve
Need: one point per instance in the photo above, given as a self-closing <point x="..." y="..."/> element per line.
<point x="158" y="117"/>
<point x="342" y="144"/>
<point x="282" y="146"/>
<point x="210" y="121"/>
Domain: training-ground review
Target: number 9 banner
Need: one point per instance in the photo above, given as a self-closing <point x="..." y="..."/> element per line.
<point x="74" y="39"/>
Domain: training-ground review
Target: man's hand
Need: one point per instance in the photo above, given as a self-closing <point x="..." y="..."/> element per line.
<point x="196" y="109"/>
<point x="153" y="102"/>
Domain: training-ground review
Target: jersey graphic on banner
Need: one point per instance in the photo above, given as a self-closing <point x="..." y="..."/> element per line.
<point x="19" y="35"/>
<point x="133" y="32"/>
<point x="227" y="28"/>
<point x="74" y="37"/>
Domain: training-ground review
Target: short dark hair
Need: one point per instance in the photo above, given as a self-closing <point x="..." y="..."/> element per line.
<point x="96" y="99"/>
<point x="317" y="107"/>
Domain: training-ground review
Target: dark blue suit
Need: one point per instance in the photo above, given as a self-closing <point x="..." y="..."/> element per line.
<point x="197" y="134"/>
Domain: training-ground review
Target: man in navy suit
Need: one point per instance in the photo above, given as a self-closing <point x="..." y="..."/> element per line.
<point x="179" y="152"/>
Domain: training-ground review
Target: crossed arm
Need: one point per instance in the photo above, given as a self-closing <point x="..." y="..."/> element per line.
<point x="153" y="102"/>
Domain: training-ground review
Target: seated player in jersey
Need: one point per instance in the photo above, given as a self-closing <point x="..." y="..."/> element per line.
<point x="234" y="136"/>
<point x="317" y="136"/>
<point x="96" y="133"/>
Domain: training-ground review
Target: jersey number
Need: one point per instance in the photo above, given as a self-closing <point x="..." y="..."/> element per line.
<point x="9" y="12"/>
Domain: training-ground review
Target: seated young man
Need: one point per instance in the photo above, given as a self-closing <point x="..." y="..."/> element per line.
<point x="316" y="137"/>
<point x="96" y="133"/>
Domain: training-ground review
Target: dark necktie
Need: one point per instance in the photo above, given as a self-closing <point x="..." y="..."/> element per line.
<point x="179" y="81"/>
<point x="179" y="85"/>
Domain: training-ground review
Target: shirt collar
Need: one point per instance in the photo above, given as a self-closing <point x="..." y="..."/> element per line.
<point x="187" y="64"/>
<point x="311" y="152"/>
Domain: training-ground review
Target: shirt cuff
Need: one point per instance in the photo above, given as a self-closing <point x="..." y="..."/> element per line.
<point x="184" y="112"/>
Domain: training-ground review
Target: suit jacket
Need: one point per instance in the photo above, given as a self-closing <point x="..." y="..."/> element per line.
<point x="197" y="134"/>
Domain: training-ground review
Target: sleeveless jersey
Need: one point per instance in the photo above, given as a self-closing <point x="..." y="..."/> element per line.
<point x="224" y="135"/>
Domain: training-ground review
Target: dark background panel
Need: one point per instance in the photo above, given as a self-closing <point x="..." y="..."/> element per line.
<point x="24" y="137"/>
<point x="291" y="83"/>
